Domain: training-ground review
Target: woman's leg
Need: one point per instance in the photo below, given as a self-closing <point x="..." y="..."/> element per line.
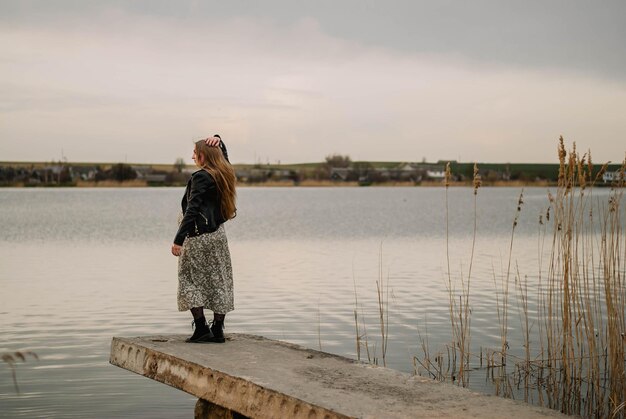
<point x="197" y="313"/>
<point x="202" y="331"/>
<point x="217" y="328"/>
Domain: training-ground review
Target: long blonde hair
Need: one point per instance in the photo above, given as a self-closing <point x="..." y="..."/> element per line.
<point x="213" y="161"/>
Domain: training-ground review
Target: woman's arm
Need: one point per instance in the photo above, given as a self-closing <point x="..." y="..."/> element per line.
<point x="201" y="183"/>
<point x="216" y="141"/>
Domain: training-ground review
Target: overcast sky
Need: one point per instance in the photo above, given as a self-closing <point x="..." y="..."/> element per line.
<point x="290" y="81"/>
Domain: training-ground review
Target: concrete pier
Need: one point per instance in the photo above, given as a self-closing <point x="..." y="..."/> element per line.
<point x="250" y="376"/>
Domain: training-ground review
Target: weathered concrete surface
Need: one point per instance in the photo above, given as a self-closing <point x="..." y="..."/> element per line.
<point x="262" y="378"/>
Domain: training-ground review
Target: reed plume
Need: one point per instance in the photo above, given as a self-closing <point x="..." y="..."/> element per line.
<point x="10" y="360"/>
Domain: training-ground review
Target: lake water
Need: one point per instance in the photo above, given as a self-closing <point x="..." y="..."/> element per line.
<point x="79" y="266"/>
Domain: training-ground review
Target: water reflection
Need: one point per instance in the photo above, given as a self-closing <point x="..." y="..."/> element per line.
<point x="80" y="266"/>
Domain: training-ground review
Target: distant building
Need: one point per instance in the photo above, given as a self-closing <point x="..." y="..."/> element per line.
<point x="143" y="172"/>
<point x="340" y="173"/>
<point x="85" y="172"/>
<point x="436" y="174"/>
<point x="430" y="171"/>
<point x="610" y="177"/>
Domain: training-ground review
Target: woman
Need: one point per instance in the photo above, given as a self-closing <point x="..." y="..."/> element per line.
<point x="205" y="276"/>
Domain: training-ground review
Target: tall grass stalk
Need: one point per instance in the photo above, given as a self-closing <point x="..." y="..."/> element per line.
<point x="382" y="294"/>
<point x="459" y="309"/>
<point x="574" y="359"/>
<point x="382" y="300"/>
<point x="360" y="328"/>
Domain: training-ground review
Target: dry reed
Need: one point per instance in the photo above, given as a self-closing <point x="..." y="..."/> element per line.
<point x="382" y="311"/>
<point x="10" y="360"/>
<point x="577" y="363"/>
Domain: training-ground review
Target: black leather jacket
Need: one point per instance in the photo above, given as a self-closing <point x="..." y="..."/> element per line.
<point x="201" y="206"/>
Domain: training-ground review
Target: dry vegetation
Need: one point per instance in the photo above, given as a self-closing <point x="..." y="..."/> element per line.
<point x="382" y="310"/>
<point x="572" y="312"/>
<point x="10" y="359"/>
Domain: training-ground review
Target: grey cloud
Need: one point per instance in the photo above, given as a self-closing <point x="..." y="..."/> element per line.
<point x="442" y="80"/>
<point x="576" y="35"/>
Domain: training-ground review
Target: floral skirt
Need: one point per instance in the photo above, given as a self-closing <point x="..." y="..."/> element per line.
<point x="205" y="273"/>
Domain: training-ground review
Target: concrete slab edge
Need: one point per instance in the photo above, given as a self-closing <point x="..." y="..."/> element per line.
<point x="233" y="393"/>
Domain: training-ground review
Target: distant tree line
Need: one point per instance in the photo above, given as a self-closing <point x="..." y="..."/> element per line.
<point x="64" y="174"/>
<point x="336" y="168"/>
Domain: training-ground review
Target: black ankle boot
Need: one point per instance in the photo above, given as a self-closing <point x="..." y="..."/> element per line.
<point x="217" y="329"/>
<point x="202" y="333"/>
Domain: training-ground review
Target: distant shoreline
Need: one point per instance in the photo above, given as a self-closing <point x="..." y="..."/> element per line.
<point x="329" y="174"/>
<point x="285" y="184"/>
